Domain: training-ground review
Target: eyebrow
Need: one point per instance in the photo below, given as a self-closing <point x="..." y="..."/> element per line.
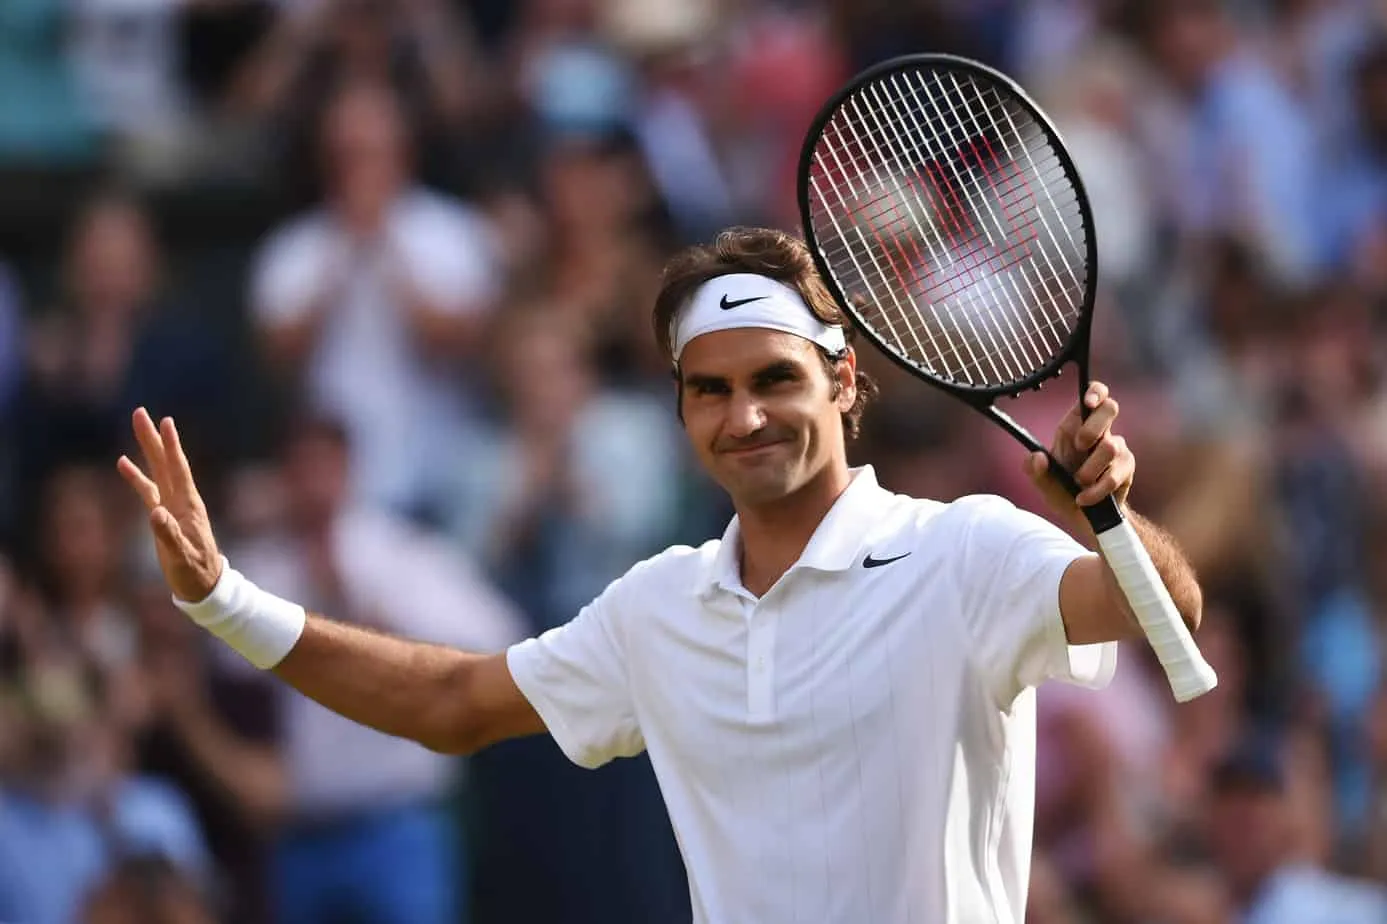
<point x="777" y="369"/>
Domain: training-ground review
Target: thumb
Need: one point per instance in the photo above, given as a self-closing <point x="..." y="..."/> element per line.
<point x="1037" y="466"/>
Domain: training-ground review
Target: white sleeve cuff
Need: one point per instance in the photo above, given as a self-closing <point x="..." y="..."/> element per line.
<point x="521" y="660"/>
<point x="1090" y="666"/>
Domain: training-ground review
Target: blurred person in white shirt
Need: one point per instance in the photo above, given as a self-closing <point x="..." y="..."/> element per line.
<point x="376" y="295"/>
<point x="365" y="825"/>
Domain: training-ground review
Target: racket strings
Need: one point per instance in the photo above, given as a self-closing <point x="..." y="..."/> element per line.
<point x="942" y="209"/>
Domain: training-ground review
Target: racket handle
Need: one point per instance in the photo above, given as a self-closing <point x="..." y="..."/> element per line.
<point x="1189" y="674"/>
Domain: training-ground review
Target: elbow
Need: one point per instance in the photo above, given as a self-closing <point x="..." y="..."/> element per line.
<point x="1192" y="608"/>
<point x="455" y="740"/>
<point x="451" y="726"/>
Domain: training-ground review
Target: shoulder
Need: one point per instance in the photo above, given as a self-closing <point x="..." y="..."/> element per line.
<point x="991" y="517"/>
<point x="296" y="236"/>
<point x="947" y="521"/>
<point x="975" y="531"/>
<point x="675" y="571"/>
<point x="425" y="211"/>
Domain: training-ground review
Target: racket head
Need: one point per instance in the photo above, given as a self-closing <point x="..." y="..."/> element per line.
<point x="931" y="164"/>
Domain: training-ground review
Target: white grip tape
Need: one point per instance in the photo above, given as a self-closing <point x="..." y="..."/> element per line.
<point x="257" y="624"/>
<point x="1189" y="674"/>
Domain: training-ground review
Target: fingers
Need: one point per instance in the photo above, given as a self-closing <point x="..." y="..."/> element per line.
<point x="147" y="490"/>
<point x="1099" y="458"/>
<point x="1108" y="471"/>
<point x="152" y="446"/>
<point x="1101" y="462"/>
<point x="1096" y="394"/>
<point x="180" y="472"/>
<point x="1102" y="411"/>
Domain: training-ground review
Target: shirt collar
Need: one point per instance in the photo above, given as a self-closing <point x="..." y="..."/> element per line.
<point x="836" y="542"/>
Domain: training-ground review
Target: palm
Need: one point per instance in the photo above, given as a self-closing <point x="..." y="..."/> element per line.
<point x="183" y="537"/>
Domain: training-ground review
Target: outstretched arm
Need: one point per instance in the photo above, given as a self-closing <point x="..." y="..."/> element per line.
<point x="445" y="699"/>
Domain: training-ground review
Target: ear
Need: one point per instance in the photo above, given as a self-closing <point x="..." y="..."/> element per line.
<point x="846" y="370"/>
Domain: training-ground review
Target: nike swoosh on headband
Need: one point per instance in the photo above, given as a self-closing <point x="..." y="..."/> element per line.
<point x="726" y="305"/>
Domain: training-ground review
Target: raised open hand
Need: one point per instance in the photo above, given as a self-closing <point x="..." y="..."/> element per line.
<point x="183" y="537"/>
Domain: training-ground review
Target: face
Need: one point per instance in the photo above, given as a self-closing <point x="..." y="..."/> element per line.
<point x="761" y="413"/>
<point x="113" y="259"/>
<point x="1248" y="830"/>
<point x="79" y="548"/>
<point x="317" y="478"/>
<point x="546" y="377"/>
<point x="366" y="149"/>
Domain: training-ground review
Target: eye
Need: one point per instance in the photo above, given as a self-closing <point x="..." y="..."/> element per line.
<point x="706" y="388"/>
<point x="773" y="377"/>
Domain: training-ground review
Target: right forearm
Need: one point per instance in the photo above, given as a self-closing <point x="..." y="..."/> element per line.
<point x="403" y="688"/>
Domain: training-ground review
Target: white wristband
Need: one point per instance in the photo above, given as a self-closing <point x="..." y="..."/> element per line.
<point x="257" y="624"/>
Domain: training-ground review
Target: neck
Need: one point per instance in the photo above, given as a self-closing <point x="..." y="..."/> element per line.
<point x="774" y="535"/>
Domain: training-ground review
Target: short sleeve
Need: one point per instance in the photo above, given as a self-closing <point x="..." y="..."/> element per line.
<point x="1011" y="565"/>
<point x="575" y="677"/>
<point x="448" y="252"/>
<point x="288" y="272"/>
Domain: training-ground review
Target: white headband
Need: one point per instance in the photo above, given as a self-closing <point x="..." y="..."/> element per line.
<point x="749" y="300"/>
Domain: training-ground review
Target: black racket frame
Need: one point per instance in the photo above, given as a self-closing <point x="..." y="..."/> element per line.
<point x="1103" y="515"/>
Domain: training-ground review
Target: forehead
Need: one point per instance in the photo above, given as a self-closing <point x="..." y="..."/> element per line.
<point x="742" y="351"/>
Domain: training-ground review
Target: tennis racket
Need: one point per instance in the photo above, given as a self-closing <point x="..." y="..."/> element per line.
<point x="948" y="220"/>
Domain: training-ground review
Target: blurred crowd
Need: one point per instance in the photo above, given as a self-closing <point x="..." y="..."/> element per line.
<point x="390" y="264"/>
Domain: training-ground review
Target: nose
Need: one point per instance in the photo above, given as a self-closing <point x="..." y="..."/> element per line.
<point x="745" y="416"/>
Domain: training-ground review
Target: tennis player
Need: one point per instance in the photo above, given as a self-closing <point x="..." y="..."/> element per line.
<point x="837" y="696"/>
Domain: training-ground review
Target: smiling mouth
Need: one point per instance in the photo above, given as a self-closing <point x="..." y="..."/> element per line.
<point x="751" y="450"/>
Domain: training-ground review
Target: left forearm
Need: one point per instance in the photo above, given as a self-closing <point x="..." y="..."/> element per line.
<point x="1171" y="564"/>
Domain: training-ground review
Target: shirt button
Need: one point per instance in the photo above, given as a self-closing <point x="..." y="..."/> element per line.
<point x="760" y="664"/>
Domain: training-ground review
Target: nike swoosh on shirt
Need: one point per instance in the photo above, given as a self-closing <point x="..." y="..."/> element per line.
<point x="727" y="305"/>
<point x="870" y="562"/>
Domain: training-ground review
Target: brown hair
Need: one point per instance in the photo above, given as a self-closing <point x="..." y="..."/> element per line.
<point x="769" y="253"/>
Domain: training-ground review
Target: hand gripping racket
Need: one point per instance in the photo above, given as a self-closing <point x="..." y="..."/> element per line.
<point x="948" y="220"/>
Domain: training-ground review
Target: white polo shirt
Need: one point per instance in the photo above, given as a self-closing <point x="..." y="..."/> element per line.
<point x="857" y="745"/>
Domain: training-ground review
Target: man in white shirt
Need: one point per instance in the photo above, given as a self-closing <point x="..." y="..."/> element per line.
<point x="376" y="298"/>
<point x="837" y="697"/>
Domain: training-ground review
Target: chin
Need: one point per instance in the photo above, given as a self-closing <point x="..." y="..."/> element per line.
<point x="760" y="486"/>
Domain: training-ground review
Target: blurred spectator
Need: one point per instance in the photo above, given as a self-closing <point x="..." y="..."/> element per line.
<point x="372" y="300"/>
<point x="1375" y="858"/>
<point x="11" y="374"/>
<point x="420" y="49"/>
<point x="1274" y="878"/>
<point x="1235" y="146"/>
<point x="574" y="482"/>
<point x="365" y="829"/>
<point x="759" y="99"/>
<point x="212" y="730"/>
<point x="11" y="338"/>
<point x="146" y="890"/>
<point x="115" y="340"/>
<point x="43" y="122"/>
<point x="70" y="800"/>
<point x="1356" y="202"/>
<point x="600" y="257"/>
<point x="125" y="55"/>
